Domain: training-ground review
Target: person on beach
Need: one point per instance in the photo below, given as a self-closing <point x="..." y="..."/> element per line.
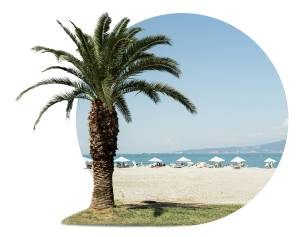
<point x="87" y="165"/>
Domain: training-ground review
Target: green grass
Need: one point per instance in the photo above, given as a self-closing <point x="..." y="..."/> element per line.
<point x="160" y="214"/>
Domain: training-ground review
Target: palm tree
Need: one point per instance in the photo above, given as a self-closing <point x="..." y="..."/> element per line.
<point x="108" y="69"/>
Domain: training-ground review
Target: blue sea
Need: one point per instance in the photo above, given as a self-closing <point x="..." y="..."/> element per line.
<point x="252" y="159"/>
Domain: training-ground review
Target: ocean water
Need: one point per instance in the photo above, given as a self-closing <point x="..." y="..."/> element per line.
<point x="252" y="159"/>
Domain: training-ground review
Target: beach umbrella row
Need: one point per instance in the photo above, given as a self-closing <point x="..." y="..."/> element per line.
<point x="183" y="159"/>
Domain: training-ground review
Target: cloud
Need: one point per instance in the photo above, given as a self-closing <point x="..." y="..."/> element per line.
<point x="286" y="122"/>
<point x="282" y="129"/>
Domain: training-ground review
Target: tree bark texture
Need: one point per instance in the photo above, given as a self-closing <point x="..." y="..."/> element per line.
<point x="103" y="129"/>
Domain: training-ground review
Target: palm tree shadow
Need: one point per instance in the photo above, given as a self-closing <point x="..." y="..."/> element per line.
<point x="158" y="212"/>
<point x="160" y="207"/>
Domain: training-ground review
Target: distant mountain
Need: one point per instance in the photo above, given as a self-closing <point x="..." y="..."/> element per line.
<point x="274" y="147"/>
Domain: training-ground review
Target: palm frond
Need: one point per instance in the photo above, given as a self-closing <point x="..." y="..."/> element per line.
<point x="108" y="61"/>
<point x="101" y="29"/>
<point x="88" y="53"/>
<point x="72" y="36"/>
<point x="120" y="27"/>
<point x="117" y="47"/>
<point x="149" y="63"/>
<point x="143" y="45"/>
<point x="62" y="81"/>
<point x="92" y="62"/>
<point x="62" y="56"/>
<point x="121" y="105"/>
<point x="85" y="48"/>
<point x="78" y="95"/>
<point x="132" y="31"/>
<point x="106" y="88"/>
<point x="122" y="55"/>
<point x="72" y="71"/>
<point x="139" y="86"/>
<point x="165" y="89"/>
<point x="68" y="96"/>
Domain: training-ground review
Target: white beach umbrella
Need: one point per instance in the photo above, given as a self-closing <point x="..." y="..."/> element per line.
<point x="237" y="160"/>
<point x="183" y="159"/>
<point x="155" y="159"/>
<point x="270" y="160"/>
<point x="121" y="159"/>
<point x="216" y="159"/>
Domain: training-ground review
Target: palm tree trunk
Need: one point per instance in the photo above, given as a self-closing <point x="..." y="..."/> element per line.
<point x="103" y="128"/>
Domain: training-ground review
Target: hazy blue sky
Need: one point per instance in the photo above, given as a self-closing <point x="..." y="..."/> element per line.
<point x="233" y="83"/>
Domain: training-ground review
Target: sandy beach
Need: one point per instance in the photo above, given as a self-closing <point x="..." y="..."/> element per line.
<point x="204" y="185"/>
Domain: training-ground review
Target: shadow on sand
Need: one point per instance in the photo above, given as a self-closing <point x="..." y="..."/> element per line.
<point x="160" y="205"/>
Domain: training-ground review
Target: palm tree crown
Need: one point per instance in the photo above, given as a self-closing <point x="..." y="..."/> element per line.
<point x="109" y="64"/>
